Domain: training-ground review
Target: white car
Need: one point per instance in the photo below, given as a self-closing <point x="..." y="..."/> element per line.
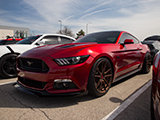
<point x="8" y="53"/>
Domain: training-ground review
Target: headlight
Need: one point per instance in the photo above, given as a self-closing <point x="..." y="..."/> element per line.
<point x="71" y="60"/>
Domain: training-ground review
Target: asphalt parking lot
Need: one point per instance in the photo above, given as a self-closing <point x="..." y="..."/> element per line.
<point x="139" y="109"/>
<point x="135" y="107"/>
<point x="17" y="105"/>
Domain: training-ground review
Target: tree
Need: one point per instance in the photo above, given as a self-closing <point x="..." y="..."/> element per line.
<point x="66" y="31"/>
<point x="80" y="34"/>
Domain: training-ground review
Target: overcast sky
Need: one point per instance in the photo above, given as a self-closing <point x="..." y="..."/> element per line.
<point x="139" y="17"/>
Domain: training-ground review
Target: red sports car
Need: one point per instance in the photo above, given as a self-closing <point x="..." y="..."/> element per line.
<point x="90" y="64"/>
<point x="155" y="94"/>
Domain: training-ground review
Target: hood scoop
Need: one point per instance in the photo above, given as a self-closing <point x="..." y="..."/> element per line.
<point x="67" y="46"/>
<point x="76" y="44"/>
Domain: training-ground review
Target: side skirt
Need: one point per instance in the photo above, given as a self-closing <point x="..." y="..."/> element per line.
<point x="126" y="75"/>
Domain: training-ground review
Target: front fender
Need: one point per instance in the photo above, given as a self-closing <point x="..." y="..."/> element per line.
<point x="4" y="50"/>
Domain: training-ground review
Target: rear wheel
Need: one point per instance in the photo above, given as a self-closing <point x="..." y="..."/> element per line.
<point x="100" y="77"/>
<point x="8" y="66"/>
<point x="147" y="64"/>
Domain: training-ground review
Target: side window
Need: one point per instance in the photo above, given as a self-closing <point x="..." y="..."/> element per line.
<point x="128" y="36"/>
<point x="50" y="40"/>
<point x="123" y="37"/>
<point x="11" y="42"/>
<point x="66" y="40"/>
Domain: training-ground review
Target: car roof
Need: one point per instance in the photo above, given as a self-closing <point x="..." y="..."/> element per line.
<point x="59" y="35"/>
<point x="154" y="37"/>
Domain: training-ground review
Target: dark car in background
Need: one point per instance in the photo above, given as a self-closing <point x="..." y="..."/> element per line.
<point x="154" y="47"/>
<point x="10" y="41"/>
<point x="155" y="93"/>
<point x="153" y="38"/>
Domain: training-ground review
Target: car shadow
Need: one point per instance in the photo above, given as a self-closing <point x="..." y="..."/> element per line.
<point x="116" y="99"/>
<point x="13" y="98"/>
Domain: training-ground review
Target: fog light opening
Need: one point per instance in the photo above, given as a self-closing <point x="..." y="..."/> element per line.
<point x="64" y="84"/>
<point x="62" y="80"/>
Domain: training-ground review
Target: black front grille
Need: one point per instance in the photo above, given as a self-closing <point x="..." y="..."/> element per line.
<point x="33" y="65"/>
<point x="32" y="83"/>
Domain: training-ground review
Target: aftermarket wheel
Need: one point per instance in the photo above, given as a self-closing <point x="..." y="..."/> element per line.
<point x="8" y="66"/>
<point x="100" y="77"/>
<point x="147" y="64"/>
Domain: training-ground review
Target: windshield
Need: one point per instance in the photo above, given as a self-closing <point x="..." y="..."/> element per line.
<point x="100" y="37"/>
<point x="28" y="40"/>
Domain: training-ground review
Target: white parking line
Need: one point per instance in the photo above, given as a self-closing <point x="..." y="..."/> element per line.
<point x="6" y="83"/>
<point x="112" y="115"/>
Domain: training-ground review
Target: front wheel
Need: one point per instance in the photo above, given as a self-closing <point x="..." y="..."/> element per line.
<point x="100" y="77"/>
<point x="146" y="64"/>
<point x="8" y="66"/>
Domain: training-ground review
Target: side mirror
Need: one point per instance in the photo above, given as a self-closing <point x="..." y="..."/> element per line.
<point x="128" y="41"/>
<point x="42" y="42"/>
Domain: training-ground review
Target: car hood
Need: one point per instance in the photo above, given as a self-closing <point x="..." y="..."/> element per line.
<point x="20" y="48"/>
<point x="57" y="51"/>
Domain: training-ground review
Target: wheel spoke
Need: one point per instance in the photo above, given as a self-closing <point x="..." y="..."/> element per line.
<point x="107" y="71"/>
<point x="106" y="82"/>
<point x="100" y="86"/>
<point x="97" y="84"/>
<point x="98" y="76"/>
<point x="105" y="85"/>
<point x="103" y="67"/>
<point x="109" y="75"/>
<point x="98" y="71"/>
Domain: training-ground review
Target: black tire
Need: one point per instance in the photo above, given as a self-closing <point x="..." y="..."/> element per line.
<point x="147" y="64"/>
<point x="8" y="66"/>
<point x="100" y="78"/>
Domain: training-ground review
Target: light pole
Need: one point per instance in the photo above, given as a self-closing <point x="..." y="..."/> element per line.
<point x="60" y="25"/>
<point x="87" y="27"/>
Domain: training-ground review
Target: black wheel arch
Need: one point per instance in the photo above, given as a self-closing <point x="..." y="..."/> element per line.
<point x="9" y="54"/>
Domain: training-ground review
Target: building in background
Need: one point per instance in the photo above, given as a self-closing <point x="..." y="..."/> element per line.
<point x="15" y="32"/>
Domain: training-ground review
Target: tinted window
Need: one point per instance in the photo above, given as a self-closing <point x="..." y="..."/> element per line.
<point x="128" y="36"/>
<point x="101" y="37"/>
<point x="28" y="40"/>
<point x="153" y="38"/>
<point x="66" y="40"/>
<point x="6" y="42"/>
<point x="11" y="42"/>
<point x="3" y="42"/>
<point x="50" y="40"/>
<point x="156" y="45"/>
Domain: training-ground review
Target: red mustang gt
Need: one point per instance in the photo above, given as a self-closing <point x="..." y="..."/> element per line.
<point x="90" y="64"/>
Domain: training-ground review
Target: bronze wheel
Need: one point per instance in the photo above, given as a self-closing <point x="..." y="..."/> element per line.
<point x="100" y="78"/>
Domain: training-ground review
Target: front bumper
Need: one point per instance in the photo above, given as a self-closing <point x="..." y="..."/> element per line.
<point x="42" y="93"/>
<point x="78" y="74"/>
